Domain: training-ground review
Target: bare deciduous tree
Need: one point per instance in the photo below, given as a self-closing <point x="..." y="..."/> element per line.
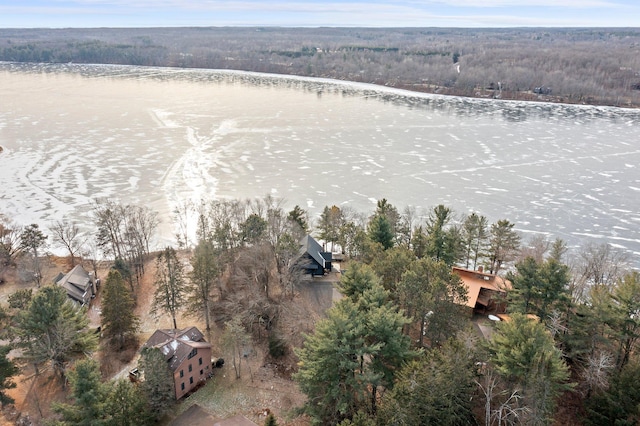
<point x="181" y="215"/>
<point x="536" y="247"/>
<point x="234" y="340"/>
<point x="9" y="243"/>
<point x="509" y="410"/>
<point x="68" y="234"/>
<point x="125" y="232"/>
<point x="203" y="277"/>
<point x="596" y="265"/>
<point x="597" y="371"/>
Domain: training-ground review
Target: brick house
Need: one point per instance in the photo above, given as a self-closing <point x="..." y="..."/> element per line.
<point x="187" y="354"/>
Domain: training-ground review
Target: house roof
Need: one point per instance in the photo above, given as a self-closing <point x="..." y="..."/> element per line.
<point x="77" y="283"/>
<point x="198" y="416"/>
<point x="194" y="416"/>
<point x="475" y="281"/>
<point x="310" y="246"/>
<point x="176" y="344"/>
<point x="238" y="420"/>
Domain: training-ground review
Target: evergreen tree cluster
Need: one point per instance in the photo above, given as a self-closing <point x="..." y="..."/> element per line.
<point x="396" y="349"/>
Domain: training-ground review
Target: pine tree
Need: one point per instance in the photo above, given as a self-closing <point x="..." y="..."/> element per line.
<point x="523" y="353"/>
<point x="330" y="373"/>
<point x="625" y="301"/>
<point x="381" y="232"/>
<point x="353" y="353"/>
<point x="52" y="329"/>
<point x="432" y="295"/>
<point x="391" y="264"/>
<point x="253" y="230"/>
<point x="7" y="370"/>
<point x="298" y="222"/>
<point x="118" y="318"/>
<point x="436" y="389"/>
<point x="32" y="238"/>
<point x="437" y="237"/>
<point x="158" y="385"/>
<point x="420" y="242"/>
<point x="539" y="288"/>
<point x="89" y="395"/>
<point x="20" y="299"/>
<point x="476" y="236"/>
<point x="127" y="405"/>
<point x="270" y="420"/>
<point x="504" y="243"/>
<point x="360" y="419"/>
<point x="170" y="289"/>
<point x="356" y="280"/>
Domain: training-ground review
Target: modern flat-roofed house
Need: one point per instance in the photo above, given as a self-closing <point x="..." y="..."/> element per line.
<point x="485" y="291"/>
<point x="311" y="258"/>
<point x="79" y="284"/>
<point x="187" y="354"/>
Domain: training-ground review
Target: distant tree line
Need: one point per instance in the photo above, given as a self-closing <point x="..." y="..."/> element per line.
<point x="579" y="65"/>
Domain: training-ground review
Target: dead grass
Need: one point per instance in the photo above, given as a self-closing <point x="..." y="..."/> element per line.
<point x="114" y="359"/>
<point x="259" y="390"/>
<point x="33" y="395"/>
<point x="265" y="384"/>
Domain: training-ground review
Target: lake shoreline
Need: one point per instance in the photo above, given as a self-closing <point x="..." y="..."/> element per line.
<point x="166" y="136"/>
<point x="581" y="66"/>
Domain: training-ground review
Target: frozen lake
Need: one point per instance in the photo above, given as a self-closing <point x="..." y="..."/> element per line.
<point x="74" y="133"/>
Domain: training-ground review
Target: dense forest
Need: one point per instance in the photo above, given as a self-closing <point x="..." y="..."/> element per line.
<point x="579" y="65"/>
<point x="400" y="347"/>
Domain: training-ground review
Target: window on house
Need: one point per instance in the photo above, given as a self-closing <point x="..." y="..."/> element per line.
<point x="190" y="368"/>
<point x="192" y="353"/>
<point x="191" y="380"/>
<point x="181" y="373"/>
<point x="182" y="386"/>
<point x="201" y="372"/>
<point x="199" y="361"/>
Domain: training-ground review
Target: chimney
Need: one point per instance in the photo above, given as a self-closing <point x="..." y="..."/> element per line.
<point x="480" y="269"/>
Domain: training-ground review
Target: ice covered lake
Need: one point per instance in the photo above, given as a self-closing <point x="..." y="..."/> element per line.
<point x="151" y="136"/>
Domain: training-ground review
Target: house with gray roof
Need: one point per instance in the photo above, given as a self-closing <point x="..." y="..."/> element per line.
<point x="79" y="284"/>
<point x="187" y="354"/>
<point x="311" y="258"/>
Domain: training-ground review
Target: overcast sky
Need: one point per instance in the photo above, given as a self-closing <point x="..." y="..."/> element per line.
<point x="314" y="13"/>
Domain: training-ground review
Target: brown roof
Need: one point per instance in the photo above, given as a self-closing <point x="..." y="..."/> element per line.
<point x="194" y="416"/>
<point x="176" y="344"/>
<point x="238" y="420"/>
<point x="475" y="281"/>
<point x="198" y="416"/>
